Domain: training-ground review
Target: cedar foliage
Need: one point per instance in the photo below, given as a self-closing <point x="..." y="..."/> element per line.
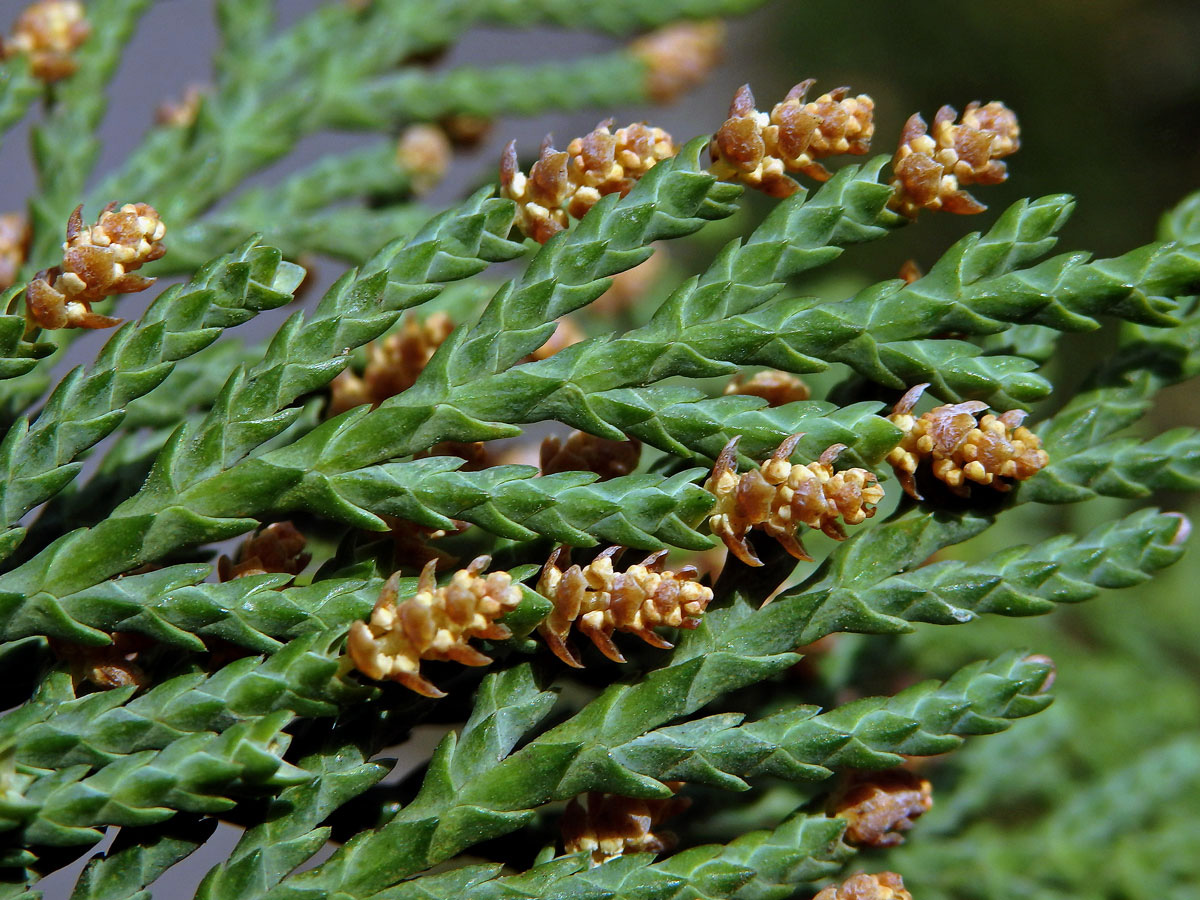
<point x="232" y="699"/>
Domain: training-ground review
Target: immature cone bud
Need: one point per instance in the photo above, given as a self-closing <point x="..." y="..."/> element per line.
<point x="98" y="262"/>
<point x="466" y="130"/>
<point x="181" y="113"/>
<point x="587" y="453"/>
<point x="108" y="667"/>
<point x="50" y="32"/>
<point x="424" y="152"/>
<point x="778" y="497"/>
<point x="434" y="624"/>
<point x="475" y="454"/>
<point x="995" y="450"/>
<point x="572" y="182"/>
<point x="878" y="806"/>
<point x="602" y="601"/>
<point x="609" y="826"/>
<point x="393" y="363"/>
<point x="278" y="548"/>
<point x="758" y="149"/>
<point x="777" y="388"/>
<point x="883" y="886"/>
<point x="679" y="56"/>
<point x="14" y="247"/>
<point x="931" y="167"/>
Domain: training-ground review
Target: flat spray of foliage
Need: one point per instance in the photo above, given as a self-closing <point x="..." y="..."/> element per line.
<point x="149" y="695"/>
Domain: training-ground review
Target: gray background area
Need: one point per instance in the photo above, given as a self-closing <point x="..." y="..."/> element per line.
<point x="1107" y="91"/>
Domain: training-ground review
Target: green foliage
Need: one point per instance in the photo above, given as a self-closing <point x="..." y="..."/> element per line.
<point x="152" y="695"/>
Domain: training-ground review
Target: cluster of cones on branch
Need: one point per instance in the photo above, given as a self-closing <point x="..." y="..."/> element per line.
<point x="764" y="149"/>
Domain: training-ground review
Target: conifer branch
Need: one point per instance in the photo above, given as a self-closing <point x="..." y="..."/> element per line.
<point x="18" y="90"/>
<point x="291" y="830"/>
<point x="1019" y="581"/>
<point x="690" y="424"/>
<point x="298" y="208"/>
<point x="601" y="82"/>
<point x="138" y="856"/>
<point x="65" y="146"/>
<point x="511" y="501"/>
<point x="98" y="729"/>
<point x="38" y="458"/>
<point x="461" y="801"/>
<point x="176" y="607"/>
<point x="199" y="773"/>
<point x="255" y="405"/>
<point x="17" y="355"/>
<point x="765" y="864"/>
<point x="614" y="17"/>
<point x="1124" y="467"/>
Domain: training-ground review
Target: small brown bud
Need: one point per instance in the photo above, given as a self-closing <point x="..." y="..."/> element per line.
<point x="758" y="149"/>
<point x="609" y="826"/>
<point x="776" y="387"/>
<point x="778" y="497"/>
<point x="679" y="56"/>
<point x="413" y="544"/>
<point x="434" y="624"/>
<point x="930" y="167"/>
<point x="424" y="152"/>
<point x="910" y="272"/>
<point x="882" y="886"/>
<point x="278" y="548"/>
<point x="181" y="113"/>
<point x="475" y="454"/>
<point x="50" y="31"/>
<point x="587" y="453"/>
<point x="572" y="182"/>
<point x="393" y="363"/>
<point x="108" y="667"/>
<point x="98" y="262"/>
<point x="995" y="450"/>
<point x="14" y="247"/>
<point x="466" y="130"/>
<point x="1041" y="659"/>
<point x="878" y="806"/>
<point x="602" y="601"/>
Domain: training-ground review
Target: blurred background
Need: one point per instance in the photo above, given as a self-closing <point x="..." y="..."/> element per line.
<point x="1102" y="790"/>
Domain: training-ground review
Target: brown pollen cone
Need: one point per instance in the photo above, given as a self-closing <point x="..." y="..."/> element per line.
<point x="881" y="886"/>
<point x="602" y="601"/>
<point x="776" y="387"/>
<point x="778" y="497"/>
<point x="877" y="806"/>
<point x="98" y="262"/>
<point x="571" y="182"/>
<point x="111" y="666"/>
<point x="14" y="247"/>
<point x="393" y="363"/>
<point x="424" y="152"/>
<point x="609" y="825"/>
<point x="435" y="624"/>
<point x="930" y="166"/>
<point x="278" y="548"/>
<point x="679" y="57"/>
<point x="758" y="149"/>
<point x="583" y="452"/>
<point x="993" y="450"/>
<point x="50" y="31"/>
